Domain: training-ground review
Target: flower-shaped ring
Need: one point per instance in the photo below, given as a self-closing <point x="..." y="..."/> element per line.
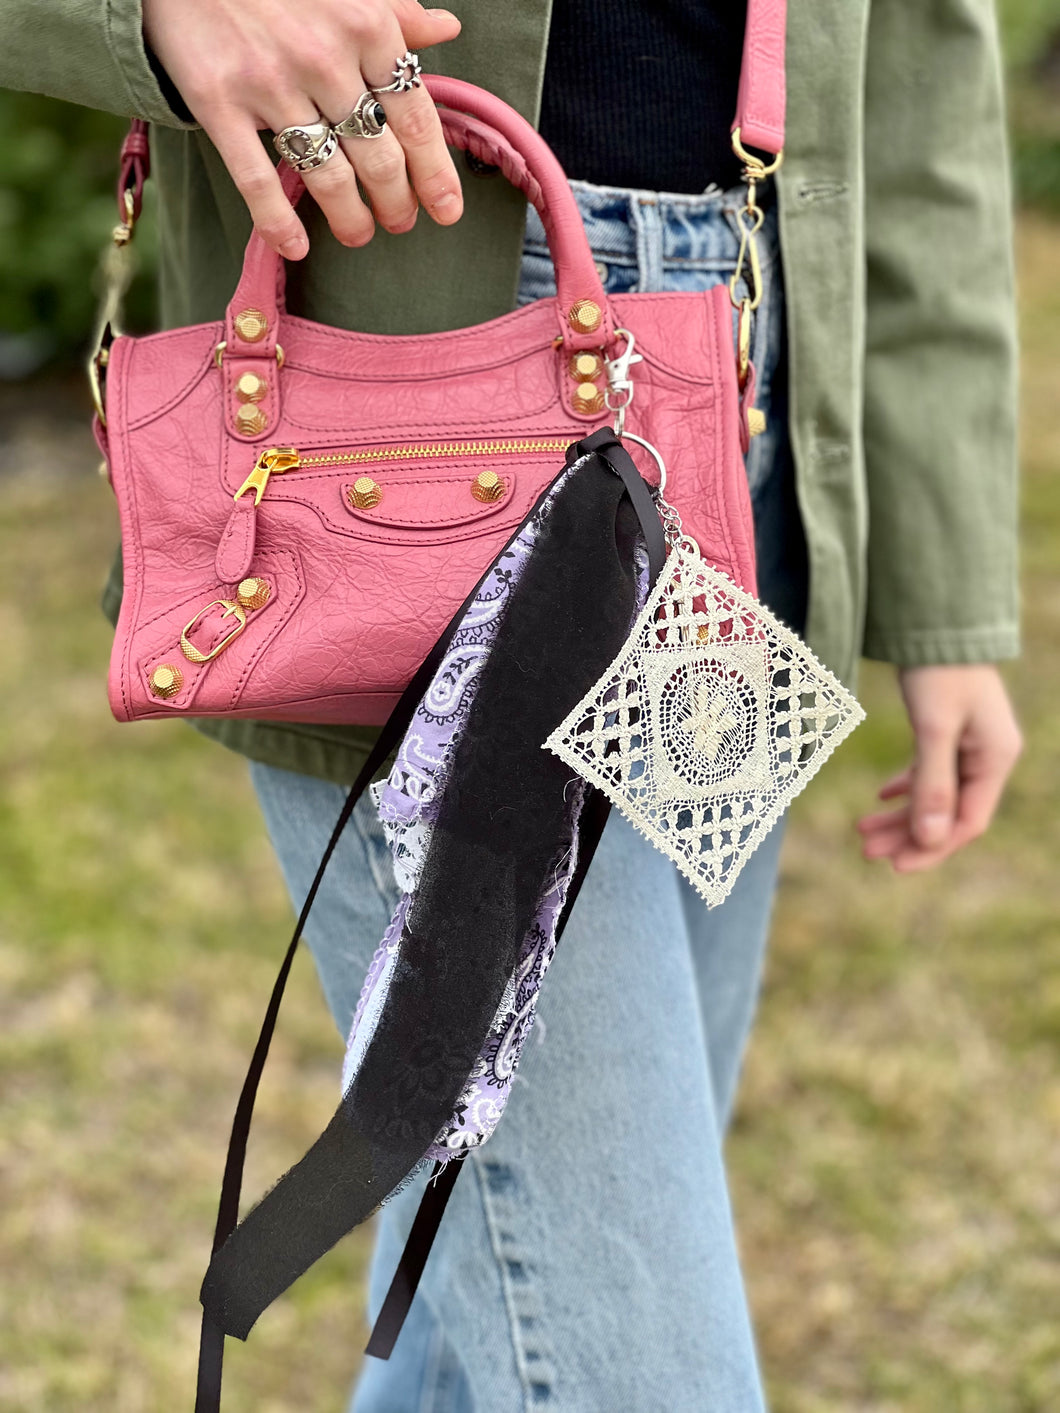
<point x="406" y="74"/>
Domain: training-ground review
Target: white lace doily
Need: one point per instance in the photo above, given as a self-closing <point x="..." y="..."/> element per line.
<point x="713" y="717"/>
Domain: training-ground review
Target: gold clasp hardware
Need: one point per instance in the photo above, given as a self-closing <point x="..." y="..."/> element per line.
<point x="750" y="219"/>
<point x="743" y="342"/>
<point x="273" y="462"/>
<point x="747" y="262"/>
<point x="754" y="169"/>
<point x="231" y="610"/>
<point x="115" y="273"/>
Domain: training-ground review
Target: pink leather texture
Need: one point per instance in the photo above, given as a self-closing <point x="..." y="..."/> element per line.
<point x="761" y="101"/>
<point x="361" y="584"/>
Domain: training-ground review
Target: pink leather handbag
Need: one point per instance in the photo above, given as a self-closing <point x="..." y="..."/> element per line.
<point x="346" y="491"/>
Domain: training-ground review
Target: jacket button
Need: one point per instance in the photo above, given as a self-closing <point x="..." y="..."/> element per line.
<point x="251" y="325"/>
<point x="585" y="316"/>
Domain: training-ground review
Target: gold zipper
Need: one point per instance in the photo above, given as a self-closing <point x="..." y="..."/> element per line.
<point x="276" y="460"/>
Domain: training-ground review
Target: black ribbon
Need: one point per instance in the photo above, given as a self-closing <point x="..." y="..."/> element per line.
<point x="476" y="899"/>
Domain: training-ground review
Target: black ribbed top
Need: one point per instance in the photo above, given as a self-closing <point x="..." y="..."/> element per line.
<point x="642" y="93"/>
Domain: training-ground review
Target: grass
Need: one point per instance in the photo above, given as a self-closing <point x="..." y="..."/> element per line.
<point x="894" y="1162"/>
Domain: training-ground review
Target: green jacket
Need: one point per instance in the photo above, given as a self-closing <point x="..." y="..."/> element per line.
<point x="896" y="245"/>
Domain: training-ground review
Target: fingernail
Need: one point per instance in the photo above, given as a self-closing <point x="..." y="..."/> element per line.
<point x="933" y="828"/>
<point x="294" y="248"/>
<point x="442" y="14"/>
<point x="447" y="206"/>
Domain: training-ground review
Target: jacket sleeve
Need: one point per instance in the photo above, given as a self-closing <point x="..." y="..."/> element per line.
<point x="940" y="369"/>
<point x="86" y="51"/>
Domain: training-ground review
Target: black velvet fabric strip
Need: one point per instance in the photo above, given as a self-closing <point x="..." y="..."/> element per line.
<point x="502" y="820"/>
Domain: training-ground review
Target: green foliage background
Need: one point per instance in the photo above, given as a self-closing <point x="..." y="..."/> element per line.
<point x="57" y="206"/>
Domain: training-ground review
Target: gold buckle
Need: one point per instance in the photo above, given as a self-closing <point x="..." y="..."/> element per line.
<point x="231" y="610"/>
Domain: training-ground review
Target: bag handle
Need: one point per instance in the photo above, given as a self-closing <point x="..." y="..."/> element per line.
<point x="487" y="127"/>
<point x="490" y="130"/>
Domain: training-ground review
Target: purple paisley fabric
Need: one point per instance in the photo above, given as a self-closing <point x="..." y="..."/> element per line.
<point x="408" y="802"/>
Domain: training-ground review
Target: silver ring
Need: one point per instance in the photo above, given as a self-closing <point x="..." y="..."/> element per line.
<point x="406" y="74"/>
<point x="367" y="119"/>
<point x="306" y="146"/>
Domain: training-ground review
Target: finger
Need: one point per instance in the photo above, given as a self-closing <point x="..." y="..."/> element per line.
<point x="911" y="858"/>
<point x="420" y="27"/>
<point x="380" y="166"/>
<point x="414" y="121"/>
<point x="886" y="844"/>
<point x="882" y="819"/>
<point x="379" y="162"/>
<point x="897" y="785"/>
<point x="233" y="134"/>
<point x="333" y="185"/>
<point x="933" y="794"/>
<point x="979" y="800"/>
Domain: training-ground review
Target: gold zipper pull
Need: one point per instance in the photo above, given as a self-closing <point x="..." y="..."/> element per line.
<point x="273" y="462"/>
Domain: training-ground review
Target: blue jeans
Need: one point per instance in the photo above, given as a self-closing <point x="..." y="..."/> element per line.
<point x="587" y="1261"/>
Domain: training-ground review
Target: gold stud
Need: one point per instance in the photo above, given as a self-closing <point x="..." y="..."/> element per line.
<point x="587" y="397"/>
<point x="253" y="593"/>
<point x="756" y="421"/>
<point x="251" y="387"/>
<point x="166" y="680"/>
<point x="250" y="420"/>
<point x="251" y="325"/>
<point x="365" y="493"/>
<point x="585" y="316"/>
<point x="584" y="367"/>
<point x="487" y="487"/>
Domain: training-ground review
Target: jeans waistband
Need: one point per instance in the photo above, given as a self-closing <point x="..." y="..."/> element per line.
<point x="681" y="229"/>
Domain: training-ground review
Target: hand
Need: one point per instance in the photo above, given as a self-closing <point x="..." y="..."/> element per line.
<point x="277" y="63"/>
<point x="967" y="742"/>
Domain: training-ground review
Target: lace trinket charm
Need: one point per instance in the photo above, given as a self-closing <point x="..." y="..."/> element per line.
<point x="714" y="716"/>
